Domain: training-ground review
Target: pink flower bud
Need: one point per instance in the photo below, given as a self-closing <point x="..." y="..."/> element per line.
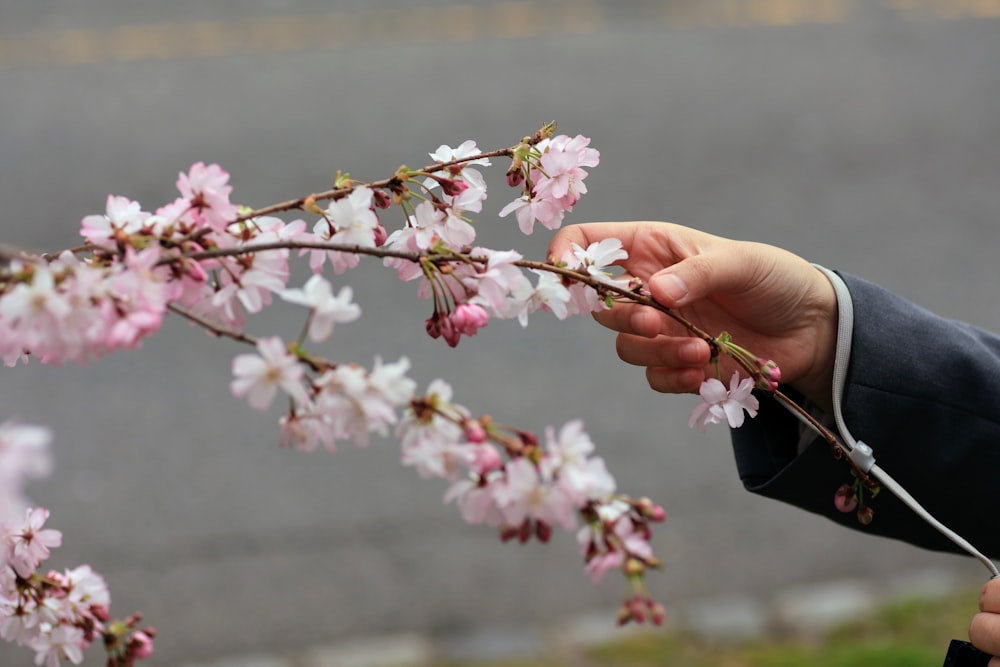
<point x="449" y="332"/>
<point x="845" y="500"/>
<point x="770" y="375"/>
<point x="469" y="318"/>
<point x="650" y="510"/>
<point x="515" y="176"/>
<point x="638" y="608"/>
<point x="865" y="515"/>
<point x="381" y="199"/>
<point x="474" y="431"/>
<point x="380" y="235"/>
<point x="141" y="645"/>
<point x="433" y="326"/>
<point x="657" y="612"/>
<point x="453" y="187"/>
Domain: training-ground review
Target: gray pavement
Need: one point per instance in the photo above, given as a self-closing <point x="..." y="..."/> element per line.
<point x="861" y="135"/>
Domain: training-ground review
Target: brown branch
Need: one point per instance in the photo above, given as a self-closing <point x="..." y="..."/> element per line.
<point x="385" y="183"/>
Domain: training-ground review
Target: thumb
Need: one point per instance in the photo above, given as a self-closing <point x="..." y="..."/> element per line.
<point x="702" y="275"/>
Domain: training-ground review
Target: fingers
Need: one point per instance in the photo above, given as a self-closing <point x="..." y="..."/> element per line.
<point x="663" y="351"/>
<point x="984" y="631"/>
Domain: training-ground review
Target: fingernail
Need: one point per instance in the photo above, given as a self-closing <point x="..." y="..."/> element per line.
<point x="673" y="287"/>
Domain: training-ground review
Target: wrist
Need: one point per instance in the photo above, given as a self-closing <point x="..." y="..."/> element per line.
<point x="816" y="383"/>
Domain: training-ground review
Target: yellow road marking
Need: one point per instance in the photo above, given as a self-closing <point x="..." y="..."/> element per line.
<point x="512" y="19"/>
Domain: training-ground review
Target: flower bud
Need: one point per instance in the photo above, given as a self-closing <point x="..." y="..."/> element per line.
<point x="524" y="531"/>
<point x="770" y="375"/>
<point x="657" y="612"/>
<point x="638" y="608"/>
<point x="433" y="326"/>
<point x="449" y="332"/>
<point x="140" y="646"/>
<point x="543" y="531"/>
<point x="474" y="432"/>
<point x="624" y="614"/>
<point x="845" y="500"/>
<point x="469" y="318"/>
<point x="865" y="515"/>
<point x="453" y="187"/>
<point x="650" y="510"/>
<point x="507" y="533"/>
<point x="381" y="199"/>
<point x="381" y="235"/>
<point x="515" y="175"/>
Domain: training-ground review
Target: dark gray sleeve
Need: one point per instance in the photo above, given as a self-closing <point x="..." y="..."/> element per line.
<point x="924" y="393"/>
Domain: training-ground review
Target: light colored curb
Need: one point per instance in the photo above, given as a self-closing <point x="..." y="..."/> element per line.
<point x="494" y="642"/>
<point x="811" y="609"/>
<point x="733" y="618"/>
<point x="406" y="650"/>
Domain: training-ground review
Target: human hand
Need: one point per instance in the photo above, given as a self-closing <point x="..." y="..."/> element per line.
<point x="772" y="302"/>
<point x="984" y="631"/>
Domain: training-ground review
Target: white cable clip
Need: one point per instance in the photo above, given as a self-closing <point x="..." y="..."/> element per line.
<point x="863" y="456"/>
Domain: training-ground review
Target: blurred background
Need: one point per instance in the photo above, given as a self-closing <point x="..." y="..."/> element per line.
<point x="862" y="135"/>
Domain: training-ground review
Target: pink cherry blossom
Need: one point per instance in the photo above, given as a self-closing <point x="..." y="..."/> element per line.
<point x="720" y="405"/>
<point x="353" y="402"/>
<point x="527" y="494"/>
<point x="122" y="216"/>
<point x="326" y="309"/>
<point x="529" y="210"/>
<point x="62" y="642"/>
<point x="476" y="498"/>
<point x="259" y="376"/>
<point x="207" y="191"/>
<point x="598" y="257"/>
<point x="27" y="545"/>
<point x="349" y="221"/>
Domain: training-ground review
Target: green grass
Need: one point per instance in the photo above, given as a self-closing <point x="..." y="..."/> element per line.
<point x="907" y="633"/>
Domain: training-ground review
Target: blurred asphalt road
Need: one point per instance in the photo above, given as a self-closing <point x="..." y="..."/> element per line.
<point x="863" y="135"/>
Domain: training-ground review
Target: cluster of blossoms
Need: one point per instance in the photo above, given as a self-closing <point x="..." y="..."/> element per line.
<point x="507" y="478"/>
<point x="551" y="173"/>
<point x="59" y="615"/>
